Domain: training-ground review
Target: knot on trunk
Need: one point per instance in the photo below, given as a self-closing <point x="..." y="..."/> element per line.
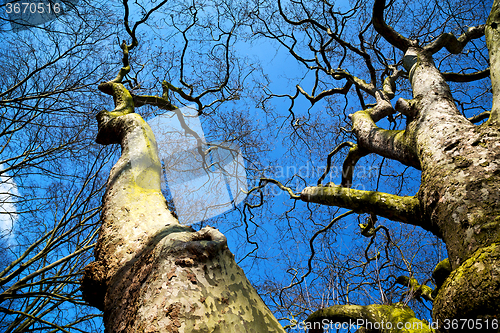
<point x="94" y="284"/>
<point x="472" y="290"/>
<point x="190" y="248"/>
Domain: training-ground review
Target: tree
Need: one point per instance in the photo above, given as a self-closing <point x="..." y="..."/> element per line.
<point x="52" y="172"/>
<point x="145" y="259"/>
<point x="437" y="139"/>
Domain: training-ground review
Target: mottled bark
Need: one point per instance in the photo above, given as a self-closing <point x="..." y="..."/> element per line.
<point x="459" y="192"/>
<point x="152" y="274"/>
<point x="492" y="32"/>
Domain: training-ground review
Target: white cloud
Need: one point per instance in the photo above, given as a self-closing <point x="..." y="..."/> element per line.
<point x="8" y="215"/>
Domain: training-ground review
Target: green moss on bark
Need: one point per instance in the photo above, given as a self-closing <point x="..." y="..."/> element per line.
<point x="473" y="289"/>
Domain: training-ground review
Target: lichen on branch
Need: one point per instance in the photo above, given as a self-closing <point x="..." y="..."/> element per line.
<point x="416" y="290"/>
<point x="398" y="208"/>
<point x="396" y="318"/>
<point x="392" y="144"/>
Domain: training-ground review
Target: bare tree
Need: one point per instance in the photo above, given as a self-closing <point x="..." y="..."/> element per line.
<point x="438" y="136"/>
<point x="52" y="172"/>
<point x="178" y="279"/>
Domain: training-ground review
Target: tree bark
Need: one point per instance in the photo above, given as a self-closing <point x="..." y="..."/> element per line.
<point x="152" y="274"/>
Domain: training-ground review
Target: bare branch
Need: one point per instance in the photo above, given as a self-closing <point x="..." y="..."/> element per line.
<point x="385" y="30"/>
<point x="451" y="43"/>
<point x="480" y="117"/>
<point x="469" y="77"/>
<point x="264" y="181"/>
<point x="157" y="101"/>
<point x="162" y="102"/>
<point x="313" y="251"/>
<point x="325" y="93"/>
<point x="352" y="158"/>
<point x="389" y="85"/>
<point x="132" y="32"/>
<point x="329" y="159"/>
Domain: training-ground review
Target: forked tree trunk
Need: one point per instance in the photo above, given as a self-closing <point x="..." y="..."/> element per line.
<point x="459" y="195"/>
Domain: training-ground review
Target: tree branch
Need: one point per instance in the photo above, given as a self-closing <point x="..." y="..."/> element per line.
<point x="469" y="77"/>
<point x="352" y="158"/>
<point x="162" y="102"/>
<point x="385" y="30"/>
<point x="330" y="156"/>
<point x="264" y="181"/>
<point x="372" y="316"/>
<point x="157" y="101"/>
<point x="338" y="74"/>
<point x="386" y="143"/>
<point x="122" y="98"/>
<point x="480" y="117"/>
<point x="325" y="93"/>
<point x="404" y="209"/>
<point x="451" y="43"/>
<point x="389" y="85"/>
<point x="416" y="290"/>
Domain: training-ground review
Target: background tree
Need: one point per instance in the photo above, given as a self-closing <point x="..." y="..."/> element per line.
<point x="52" y="172"/>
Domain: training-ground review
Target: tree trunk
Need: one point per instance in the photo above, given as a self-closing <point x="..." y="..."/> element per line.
<point x="459" y="197"/>
<point x="152" y="274"/>
<point x="459" y="193"/>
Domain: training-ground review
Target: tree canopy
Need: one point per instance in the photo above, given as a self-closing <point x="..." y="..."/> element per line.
<point x="367" y="132"/>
